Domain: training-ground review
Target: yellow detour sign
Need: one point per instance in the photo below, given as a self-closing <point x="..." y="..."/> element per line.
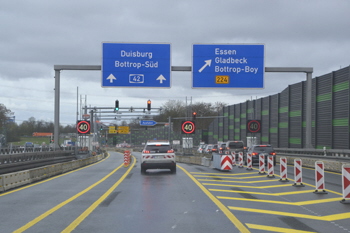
<point x="123" y="129"/>
<point x="111" y="129"/>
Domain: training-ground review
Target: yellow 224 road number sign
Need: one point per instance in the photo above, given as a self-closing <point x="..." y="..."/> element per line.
<point x="222" y="79"/>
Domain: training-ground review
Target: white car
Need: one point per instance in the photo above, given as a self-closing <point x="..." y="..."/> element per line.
<point x="158" y="154"/>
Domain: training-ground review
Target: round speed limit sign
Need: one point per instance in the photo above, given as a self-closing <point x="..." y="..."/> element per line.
<point x="188" y="127"/>
<point x="83" y="127"/>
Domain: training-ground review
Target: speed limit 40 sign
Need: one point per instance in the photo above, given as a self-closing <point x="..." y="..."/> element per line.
<point x="188" y="127"/>
<point x="83" y="127"/>
<point x="254" y="126"/>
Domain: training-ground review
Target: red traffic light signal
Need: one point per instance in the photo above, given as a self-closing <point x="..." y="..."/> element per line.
<point x="148" y="105"/>
<point x="194" y="114"/>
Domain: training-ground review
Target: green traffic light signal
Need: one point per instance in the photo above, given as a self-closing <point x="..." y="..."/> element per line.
<point x="116" y="108"/>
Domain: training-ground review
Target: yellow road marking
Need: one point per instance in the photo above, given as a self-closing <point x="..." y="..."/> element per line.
<point x="252" y="187"/>
<point x="300" y="203"/>
<point x="240" y="226"/>
<point x="258" y="193"/>
<point x="89" y="210"/>
<point x="275" y="229"/>
<point x="57" y="207"/>
<point x="223" y="174"/>
<point x="340" y="194"/>
<point x="241" y="182"/>
<point x="332" y="217"/>
<point x="236" y="178"/>
<point x="52" y="178"/>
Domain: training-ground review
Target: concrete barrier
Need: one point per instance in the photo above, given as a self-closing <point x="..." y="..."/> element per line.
<point x="16" y="179"/>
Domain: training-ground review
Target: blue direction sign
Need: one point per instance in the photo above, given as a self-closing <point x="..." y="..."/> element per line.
<point x="136" y="65"/>
<point x="148" y="123"/>
<point x="228" y="66"/>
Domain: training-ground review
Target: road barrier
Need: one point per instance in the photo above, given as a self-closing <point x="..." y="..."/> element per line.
<point x="16" y="179"/>
<point x="298" y="173"/>
<point x="346" y="184"/>
<point x="262" y="164"/>
<point x="249" y="162"/>
<point x="233" y="159"/>
<point x="222" y="161"/>
<point x="240" y="157"/>
<point x="319" y="178"/>
<point x="270" y="171"/>
<point x="126" y="158"/>
<point x="283" y="169"/>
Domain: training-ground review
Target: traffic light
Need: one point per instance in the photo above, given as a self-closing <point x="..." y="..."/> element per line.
<point x="194" y="114"/>
<point x="116" y="108"/>
<point x="148" y="105"/>
<point x="101" y="128"/>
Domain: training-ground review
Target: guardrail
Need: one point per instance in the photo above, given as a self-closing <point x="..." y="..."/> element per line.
<point x="16" y="179"/>
<point x="316" y="152"/>
<point x="16" y="158"/>
<point x="19" y="150"/>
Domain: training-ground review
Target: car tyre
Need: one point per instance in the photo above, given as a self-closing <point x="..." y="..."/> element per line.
<point x="173" y="170"/>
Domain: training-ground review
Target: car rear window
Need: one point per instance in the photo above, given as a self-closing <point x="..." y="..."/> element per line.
<point x="235" y="145"/>
<point x="263" y="149"/>
<point x="158" y="148"/>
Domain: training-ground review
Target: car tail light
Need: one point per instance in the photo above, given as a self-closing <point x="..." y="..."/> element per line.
<point x="146" y="152"/>
<point x="254" y="153"/>
<point x="273" y="153"/>
<point x="170" y="151"/>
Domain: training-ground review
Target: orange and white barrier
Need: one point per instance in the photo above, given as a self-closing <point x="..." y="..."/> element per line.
<point x="319" y="178"/>
<point x="298" y="173"/>
<point x="262" y="164"/>
<point x="249" y="162"/>
<point x="270" y="167"/>
<point x="126" y="158"/>
<point x="240" y="159"/>
<point x="283" y="169"/>
<point x="346" y="183"/>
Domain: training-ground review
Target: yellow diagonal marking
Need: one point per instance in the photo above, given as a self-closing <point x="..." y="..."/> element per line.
<point x="332" y="217"/>
<point x="222" y="174"/>
<point x="258" y="193"/>
<point x="240" y="226"/>
<point x="236" y="178"/>
<point x="241" y="182"/>
<point x="275" y="229"/>
<point x="300" y="203"/>
<point x="252" y="187"/>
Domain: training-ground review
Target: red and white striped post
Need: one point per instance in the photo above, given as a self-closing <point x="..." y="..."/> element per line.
<point x="126" y="158"/>
<point x="270" y="167"/>
<point x="233" y="159"/>
<point x="283" y="169"/>
<point x="319" y="178"/>
<point x="249" y="162"/>
<point x="298" y="173"/>
<point x="346" y="183"/>
<point x="240" y="159"/>
<point x="262" y="164"/>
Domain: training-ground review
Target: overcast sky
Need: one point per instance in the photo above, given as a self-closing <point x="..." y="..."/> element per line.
<point x="36" y="35"/>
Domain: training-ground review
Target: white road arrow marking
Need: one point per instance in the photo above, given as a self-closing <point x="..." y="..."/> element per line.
<point x="207" y="63"/>
<point x="111" y="78"/>
<point x="161" y="78"/>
